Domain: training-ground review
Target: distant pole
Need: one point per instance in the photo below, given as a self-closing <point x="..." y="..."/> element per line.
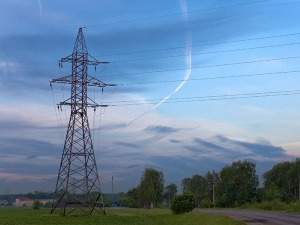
<point x="112" y="190"/>
<point x="298" y="186"/>
<point x="213" y="187"/>
<point x="214" y="194"/>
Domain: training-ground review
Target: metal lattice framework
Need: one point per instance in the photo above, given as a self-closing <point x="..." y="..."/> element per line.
<point x="78" y="184"/>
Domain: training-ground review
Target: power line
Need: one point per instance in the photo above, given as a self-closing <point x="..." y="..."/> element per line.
<point x="205" y="44"/>
<point x="208" y="66"/>
<point x="207" y="98"/>
<point x="176" y="14"/>
<point x="210" y="52"/>
<point x="213" y="78"/>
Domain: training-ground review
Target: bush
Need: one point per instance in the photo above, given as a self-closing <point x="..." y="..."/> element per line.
<point x="275" y="205"/>
<point x="36" y="204"/>
<point x="294" y="206"/>
<point x="183" y="203"/>
<point x="205" y="203"/>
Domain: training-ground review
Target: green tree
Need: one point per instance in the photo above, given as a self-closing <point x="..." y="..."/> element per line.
<point x="185" y="184"/>
<point x="238" y="184"/>
<point x="151" y="188"/>
<point x="285" y="177"/>
<point x="131" y="199"/>
<point x="271" y="193"/>
<point x="198" y="186"/>
<point x="170" y="192"/>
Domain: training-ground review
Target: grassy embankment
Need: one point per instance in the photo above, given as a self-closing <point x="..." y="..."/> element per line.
<point x="28" y="216"/>
<point x="275" y="205"/>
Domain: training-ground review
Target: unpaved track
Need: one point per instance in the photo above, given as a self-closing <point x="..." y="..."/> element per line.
<point x="257" y="217"/>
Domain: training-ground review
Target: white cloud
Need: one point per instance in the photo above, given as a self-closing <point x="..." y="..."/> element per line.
<point x="9" y="67"/>
<point x="292" y="148"/>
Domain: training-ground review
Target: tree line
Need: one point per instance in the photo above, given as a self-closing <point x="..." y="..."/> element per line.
<point x="234" y="185"/>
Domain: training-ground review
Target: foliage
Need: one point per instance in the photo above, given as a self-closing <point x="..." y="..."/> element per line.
<point x="284" y="179"/>
<point x="206" y="203"/>
<point x="183" y="203"/>
<point x="271" y="193"/>
<point x="275" y="205"/>
<point x="169" y="193"/>
<point x="151" y="188"/>
<point x="39" y="195"/>
<point x="130" y="199"/>
<point x="238" y="184"/>
<point x="185" y="184"/>
<point x="198" y="186"/>
<point x="36" y="204"/>
<point x="19" y="216"/>
<point x="113" y="200"/>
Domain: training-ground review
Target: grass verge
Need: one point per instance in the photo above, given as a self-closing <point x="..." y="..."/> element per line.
<point x="28" y="216"/>
<point x="275" y="205"/>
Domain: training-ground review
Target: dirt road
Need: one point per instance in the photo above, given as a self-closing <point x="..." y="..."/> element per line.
<point x="257" y="217"/>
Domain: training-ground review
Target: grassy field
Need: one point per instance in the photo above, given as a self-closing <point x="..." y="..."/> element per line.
<point x="28" y="216"/>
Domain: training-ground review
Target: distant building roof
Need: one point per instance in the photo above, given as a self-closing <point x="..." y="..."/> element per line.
<point x="23" y="198"/>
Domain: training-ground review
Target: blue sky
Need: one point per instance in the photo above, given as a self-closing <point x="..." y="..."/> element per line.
<point x="194" y="83"/>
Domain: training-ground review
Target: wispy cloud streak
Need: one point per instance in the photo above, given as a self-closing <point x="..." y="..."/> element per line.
<point x="188" y="61"/>
<point x="41" y="9"/>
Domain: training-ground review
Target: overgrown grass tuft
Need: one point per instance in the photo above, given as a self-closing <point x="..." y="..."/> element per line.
<point x="18" y="216"/>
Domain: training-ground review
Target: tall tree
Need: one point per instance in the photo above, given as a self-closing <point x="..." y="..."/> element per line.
<point x="284" y="177"/>
<point x="198" y="186"/>
<point x="151" y="188"/>
<point x="170" y="192"/>
<point x="185" y="184"/>
<point x="238" y="184"/>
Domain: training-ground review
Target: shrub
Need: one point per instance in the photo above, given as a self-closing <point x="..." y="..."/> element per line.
<point x="205" y="203"/>
<point x="183" y="203"/>
<point x="275" y="205"/>
<point x="294" y="206"/>
<point x="36" y="204"/>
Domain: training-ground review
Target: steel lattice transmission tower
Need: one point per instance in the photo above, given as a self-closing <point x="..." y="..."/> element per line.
<point x="78" y="184"/>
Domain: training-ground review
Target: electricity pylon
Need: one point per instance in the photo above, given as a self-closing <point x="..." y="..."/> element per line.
<point x="78" y="185"/>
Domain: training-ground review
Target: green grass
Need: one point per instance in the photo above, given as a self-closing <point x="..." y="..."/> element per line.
<point x="28" y="216"/>
<point x="275" y="205"/>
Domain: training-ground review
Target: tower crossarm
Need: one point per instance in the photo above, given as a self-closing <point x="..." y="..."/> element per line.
<point x="91" y="81"/>
<point x="79" y="56"/>
<point x="63" y="80"/>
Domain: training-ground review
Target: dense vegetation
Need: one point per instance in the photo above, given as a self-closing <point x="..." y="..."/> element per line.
<point x="236" y="185"/>
<point x="183" y="203"/>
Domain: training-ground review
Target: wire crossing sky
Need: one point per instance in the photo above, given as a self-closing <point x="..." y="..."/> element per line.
<point x="199" y="84"/>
